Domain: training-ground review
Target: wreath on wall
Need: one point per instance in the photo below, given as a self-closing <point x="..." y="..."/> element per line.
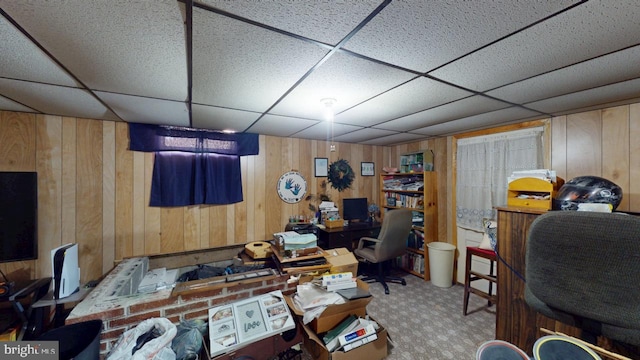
<point x="340" y="175"/>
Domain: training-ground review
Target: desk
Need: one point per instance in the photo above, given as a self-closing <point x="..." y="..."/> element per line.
<point x="60" y="314"/>
<point x="347" y="236"/>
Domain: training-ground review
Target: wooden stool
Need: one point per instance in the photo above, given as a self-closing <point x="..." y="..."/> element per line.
<point x="470" y="275"/>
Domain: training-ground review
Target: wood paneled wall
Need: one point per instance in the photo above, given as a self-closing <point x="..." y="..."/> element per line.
<point x="602" y="143"/>
<point x="94" y="191"/>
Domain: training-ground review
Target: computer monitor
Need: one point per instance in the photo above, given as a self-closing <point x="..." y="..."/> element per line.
<point x="355" y="209"/>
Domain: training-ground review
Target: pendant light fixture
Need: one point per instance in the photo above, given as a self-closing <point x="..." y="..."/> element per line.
<point x="329" y="114"/>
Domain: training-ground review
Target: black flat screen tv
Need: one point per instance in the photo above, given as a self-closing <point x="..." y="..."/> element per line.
<point x="355" y="209"/>
<point x="18" y="216"/>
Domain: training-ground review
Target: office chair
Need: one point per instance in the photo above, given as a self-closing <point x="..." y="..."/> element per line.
<point x="582" y="269"/>
<point x="391" y="243"/>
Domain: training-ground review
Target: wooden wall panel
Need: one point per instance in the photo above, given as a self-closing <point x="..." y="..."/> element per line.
<point x="154" y="243"/>
<point x="633" y="192"/>
<point x="49" y="168"/>
<point x="615" y="149"/>
<point x="123" y="194"/>
<point x="584" y="144"/>
<point x="138" y="204"/>
<point x="69" y="176"/>
<point x="559" y="146"/>
<point x="89" y="198"/>
<point x="18" y="141"/>
<point x="108" y="194"/>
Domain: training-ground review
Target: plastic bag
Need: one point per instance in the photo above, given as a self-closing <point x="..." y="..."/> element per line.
<point x="188" y="341"/>
<point x="158" y="348"/>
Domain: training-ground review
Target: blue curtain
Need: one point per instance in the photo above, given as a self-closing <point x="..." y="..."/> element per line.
<point x="193" y="166"/>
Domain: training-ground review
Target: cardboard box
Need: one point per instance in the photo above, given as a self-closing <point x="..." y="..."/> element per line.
<point x="374" y="350"/>
<point x="334" y="314"/>
<point x="334" y="223"/>
<point x="342" y="260"/>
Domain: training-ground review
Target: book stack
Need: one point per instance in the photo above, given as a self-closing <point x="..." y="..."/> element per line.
<point x="350" y="333"/>
<point x="339" y="281"/>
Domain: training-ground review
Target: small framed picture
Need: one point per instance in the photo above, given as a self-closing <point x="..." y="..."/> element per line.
<point x="321" y="167"/>
<point x="367" y="169"/>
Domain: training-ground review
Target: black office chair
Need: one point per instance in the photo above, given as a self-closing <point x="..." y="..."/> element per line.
<point x="390" y="243"/>
<point x="582" y="269"/>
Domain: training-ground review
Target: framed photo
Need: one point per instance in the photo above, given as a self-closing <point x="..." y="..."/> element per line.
<point x="321" y="167"/>
<point x="367" y="169"/>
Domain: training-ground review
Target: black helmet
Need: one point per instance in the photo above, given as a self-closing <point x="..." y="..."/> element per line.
<point x="587" y="189"/>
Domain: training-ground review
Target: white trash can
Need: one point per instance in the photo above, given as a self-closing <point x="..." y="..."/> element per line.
<point x="441" y="256"/>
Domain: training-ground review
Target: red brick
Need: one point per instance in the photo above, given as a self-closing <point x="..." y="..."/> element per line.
<point x="201" y="294"/>
<point x="201" y="314"/>
<point x="243" y="287"/>
<point x="265" y="290"/>
<point x="228" y="299"/>
<point x="186" y="307"/>
<point x="174" y="319"/>
<point x="112" y="334"/>
<point x="133" y="320"/>
<point x="137" y="308"/>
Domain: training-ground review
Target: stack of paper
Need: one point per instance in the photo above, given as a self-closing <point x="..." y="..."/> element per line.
<point x="313" y="300"/>
<point x="544" y="174"/>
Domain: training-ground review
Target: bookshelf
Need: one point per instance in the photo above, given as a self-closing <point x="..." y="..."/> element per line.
<point x="415" y="191"/>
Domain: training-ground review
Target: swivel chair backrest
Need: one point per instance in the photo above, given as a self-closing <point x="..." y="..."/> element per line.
<point x="582" y="268"/>
<point x="396" y="226"/>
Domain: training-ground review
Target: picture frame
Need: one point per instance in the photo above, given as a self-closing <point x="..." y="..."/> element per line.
<point x="321" y="167"/>
<point x="367" y="169"/>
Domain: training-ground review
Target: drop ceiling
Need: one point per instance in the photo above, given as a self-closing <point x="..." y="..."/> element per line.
<point x="399" y="70"/>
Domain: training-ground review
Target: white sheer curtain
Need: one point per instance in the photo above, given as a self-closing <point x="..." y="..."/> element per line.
<point x="483" y="165"/>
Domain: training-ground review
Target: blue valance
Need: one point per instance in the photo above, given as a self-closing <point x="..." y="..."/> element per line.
<point x="155" y="138"/>
<point x="193" y="166"/>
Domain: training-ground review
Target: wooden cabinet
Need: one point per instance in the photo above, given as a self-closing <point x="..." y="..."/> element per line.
<point x="415" y="191"/>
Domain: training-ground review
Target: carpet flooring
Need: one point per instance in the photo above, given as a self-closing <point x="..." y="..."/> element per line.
<point x="426" y="322"/>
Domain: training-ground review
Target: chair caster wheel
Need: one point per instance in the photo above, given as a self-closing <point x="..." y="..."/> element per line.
<point x="404" y="283"/>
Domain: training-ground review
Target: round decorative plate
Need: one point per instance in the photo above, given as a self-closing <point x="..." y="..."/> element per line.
<point x="292" y="187"/>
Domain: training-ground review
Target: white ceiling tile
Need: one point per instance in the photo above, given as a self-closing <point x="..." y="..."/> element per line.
<point x="394" y="139"/>
<point x="131" y="47"/>
<point x="349" y="80"/>
<point x="363" y="135"/>
<point x="243" y="66"/>
<point x="594" y="28"/>
<point x="280" y="125"/>
<point x="325" y="21"/>
<point x="422" y="35"/>
<point x="215" y="118"/>
<point x="325" y="130"/>
<point x="616" y="67"/>
<point x="615" y="93"/>
<point x="56" y="100"/>
<point x="414" y="96"/>
<point x="22" y="59"/>
<point x="10" y="105"/>
<point x="147" y="110"/>
<point x="480" y="121"/>
<point x="458" y="109"/>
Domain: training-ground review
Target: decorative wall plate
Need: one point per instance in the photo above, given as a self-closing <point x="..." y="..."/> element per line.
<point x="292" y="187"/>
